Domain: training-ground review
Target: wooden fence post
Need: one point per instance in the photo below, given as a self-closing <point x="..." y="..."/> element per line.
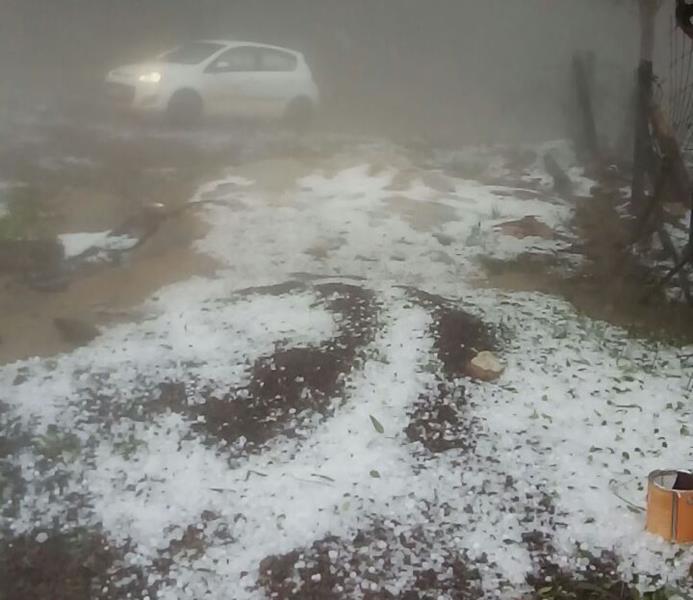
<point x="642" y="149"/>
<point x="584" y="76"/>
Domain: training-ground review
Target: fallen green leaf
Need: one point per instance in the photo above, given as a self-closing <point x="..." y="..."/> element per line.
<point x="377" y="425"/>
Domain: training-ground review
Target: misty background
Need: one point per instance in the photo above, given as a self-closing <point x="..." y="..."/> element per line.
<point x="461" y="70"/>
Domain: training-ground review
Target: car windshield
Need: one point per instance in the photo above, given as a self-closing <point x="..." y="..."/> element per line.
<point x="190" y="54"/>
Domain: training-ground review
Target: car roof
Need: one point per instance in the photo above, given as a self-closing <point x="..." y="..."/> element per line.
<point x="235" y="43"/>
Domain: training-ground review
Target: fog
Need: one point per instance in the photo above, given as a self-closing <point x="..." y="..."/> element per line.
<point x="486" y="70"/>
<point x="410" y="321"/>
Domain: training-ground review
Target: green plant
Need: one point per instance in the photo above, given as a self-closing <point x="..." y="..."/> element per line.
<point x="22" y="215"/>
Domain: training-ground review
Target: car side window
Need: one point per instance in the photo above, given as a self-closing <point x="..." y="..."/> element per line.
<point x="275" y="60"/>
<point x="236" y="60"/>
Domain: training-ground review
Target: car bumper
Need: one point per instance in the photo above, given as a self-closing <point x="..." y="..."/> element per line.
<point x="130" y="97"/>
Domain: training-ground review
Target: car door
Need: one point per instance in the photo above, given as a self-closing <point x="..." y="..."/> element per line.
<point x="274" y="82"/>
<point x="228" y="82"/>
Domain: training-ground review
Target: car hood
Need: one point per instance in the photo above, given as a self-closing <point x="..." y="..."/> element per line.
<point x="132" y="72"/>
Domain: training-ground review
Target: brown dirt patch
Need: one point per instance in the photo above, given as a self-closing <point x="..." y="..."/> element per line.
<point x="598" y="580"/>
<point x="79" y="565"/>
<point x="375" y="558"/>
<point x="288" y="388"/>
<point x="527" y="227"/>
<point x="459" y="336"/>
<point x="438" y="420"/>
<point x="193" y="542"/>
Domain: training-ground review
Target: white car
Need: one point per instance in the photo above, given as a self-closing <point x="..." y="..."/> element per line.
<point x="218" y="78"/>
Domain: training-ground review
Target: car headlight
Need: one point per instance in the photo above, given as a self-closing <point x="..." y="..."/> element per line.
<point x="153" y="77"/>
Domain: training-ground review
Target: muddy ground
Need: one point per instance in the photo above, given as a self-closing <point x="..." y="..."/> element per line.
<point x="337" y="569"/>
<point x="74" y="178"/>
<point x="62" y="178"/>
<point x="77" y="564"/>
<point x="88" y="181"/>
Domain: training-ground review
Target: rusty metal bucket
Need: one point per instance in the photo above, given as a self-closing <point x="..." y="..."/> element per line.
<point x="670" y="505"/>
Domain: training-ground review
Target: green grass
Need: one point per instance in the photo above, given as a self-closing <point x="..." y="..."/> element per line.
<point x="22" y="219"/>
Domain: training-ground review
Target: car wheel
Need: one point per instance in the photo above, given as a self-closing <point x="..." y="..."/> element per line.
<point x="299" y="114"/>
<point x="184" y="107"/>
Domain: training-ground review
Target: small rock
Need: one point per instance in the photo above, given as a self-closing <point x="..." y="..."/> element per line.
<point x="75" y="331"/>
<point x="485" y="367"/>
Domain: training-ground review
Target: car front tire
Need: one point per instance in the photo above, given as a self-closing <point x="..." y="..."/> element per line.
<point x="184" y="108"/>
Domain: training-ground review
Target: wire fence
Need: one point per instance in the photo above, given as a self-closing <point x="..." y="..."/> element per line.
<point x="679" y="87"/>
